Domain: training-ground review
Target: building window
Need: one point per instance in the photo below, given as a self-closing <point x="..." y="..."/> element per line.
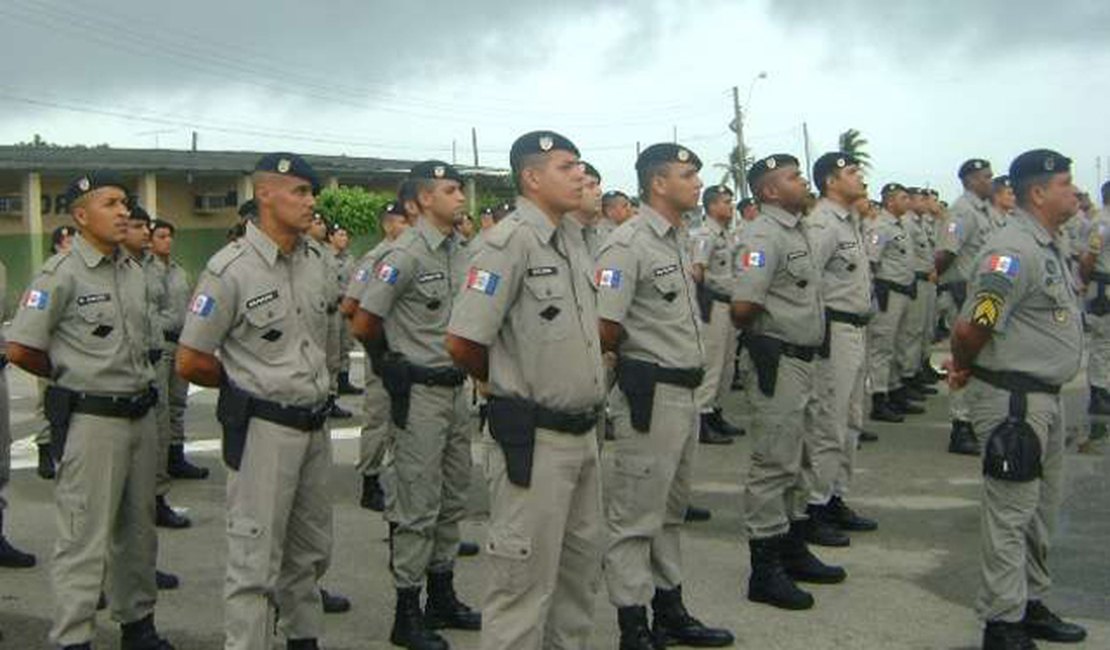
<point x="214" y="202"/>
<point x="11" y="204"/>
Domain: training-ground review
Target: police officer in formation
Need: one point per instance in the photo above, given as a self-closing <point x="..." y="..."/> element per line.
<point x="320" y="232"/>
<point x="402" y="320"/>
<point x="1094" y="271"/>
<point x="1019" y="338"/>
<point x="60" y="241"/>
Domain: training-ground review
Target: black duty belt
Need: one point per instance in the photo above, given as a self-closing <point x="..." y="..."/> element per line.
<point x="904" y="289"/>
<point x="801" y="352"/>
<point x="685" y="377"/>
<point x="717" y="296"/>
<point x="921" y="276"/>
<point x="859" y="320"/>
<point x="131" y="407"/>
<point x="1013" y="381"/>
<point x="303" y="418"/>
<point x="443" y="376"/>
<point x="573" y="423"/>
<point x="171" y="336"/>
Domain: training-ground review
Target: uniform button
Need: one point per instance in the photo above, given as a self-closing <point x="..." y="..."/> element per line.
<point x="298" y="310"/>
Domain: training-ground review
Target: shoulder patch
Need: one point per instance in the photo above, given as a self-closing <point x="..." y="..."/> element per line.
<point x="223" y="258"/>
<point x="52" y="264"/>
<point x="623" y="235"/>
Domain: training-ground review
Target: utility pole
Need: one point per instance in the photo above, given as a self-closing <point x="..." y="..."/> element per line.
<point x="471" y="181"/>
<point x="805" y="145"/>
<point x="674" y="134"/>
<point x="741" y="152"/>
<point x="454" y="152"/>
<point x="194" y="140"/>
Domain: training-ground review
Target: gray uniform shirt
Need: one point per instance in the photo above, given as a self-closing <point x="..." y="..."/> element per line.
<point x="265" y="312"/>
<point x="891" y="250"/>
<point x="531" y="299"/>
<point x="776" y="269"/>
<point x="919" y="237"/>
<point x="713" y="249"/>
<point x="363" y="270"/>
<point x="88" y="312"/>
<point x="966" y="231"/>
<point x="644" y="284"/>
<point x="836" y="243"/>
<point x="413" y="289"/>
<point x="1022" y="290"/>
<point x="175" y="287"/>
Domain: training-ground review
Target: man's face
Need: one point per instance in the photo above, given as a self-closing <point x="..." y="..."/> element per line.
<point x="559" y="180"/>
<point x="138" y="235"/>
<point x="789" y="189"/>
<point x="290" y="201"/>
<point x="591" y="196"/>
<point x="980" y="182"/>
<point x="161" y="242"/>
<point x="466" y="227"/>
<point x="394" y="226"/>
<point x="679" y="185"/>
<point x="620" y="210"/>
<point x="899" y="203"/>
<point x="318" y="228"/>
<point x="64" y="243"/>
<point x="1005" y="199"/>
<point x="848" y="183"/>
<point x="750" y="212"/>
<point x="720" y="208"/>
<point x="442" y="200"/>
<point x="1059" y="197"/>
<point x="340" y="240"/>
<point x="103" y="215"/>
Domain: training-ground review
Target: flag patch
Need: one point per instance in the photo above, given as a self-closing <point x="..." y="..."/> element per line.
<point x="482" y="281"/>
<point x="203" y="305"/>
<point x="608" y="278"/>
<point x="362" y="275"/>
<point x="388" y="274"/>
<point x="35" y="299"/>
<point x="1005" y="264"/>
<point x="754" y="259"/>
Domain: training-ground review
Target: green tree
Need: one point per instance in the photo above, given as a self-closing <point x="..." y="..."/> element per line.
<point x="731" y="169"/>
<point x="852" y="142"/>
<point x="354" y="208"/>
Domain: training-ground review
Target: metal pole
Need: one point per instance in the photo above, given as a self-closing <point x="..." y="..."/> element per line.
<point x="742" y="173"/>
<point x="805" y="143"/>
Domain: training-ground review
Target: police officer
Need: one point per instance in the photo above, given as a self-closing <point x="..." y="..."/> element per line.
<point x="339" y="240"/>
<point x="262" y="304"/>
<point x="649" y="319"/>
<point x="60" y="241"/>
<point x="840" y="257"/>
<point x="10" y="556"/>
<point x="319" y="233"/>
<point x="776" y="300"/>
<point x="525" y="326"/>
<point x="912" y="344"/>
<point x="712" y="271"/>
<point x="374" y="438"/>
<point x="1094" y="270"/>
<point x="1019" y="339"/>
<point x="1002" y="201"/>
<point x="84" y="322"/>
<point x="960" y="243"/>
<point x="402" y="320"/>
<point x="890" y="251"/>
<point x="615" y="210"/>
<point x="589" y="210"/>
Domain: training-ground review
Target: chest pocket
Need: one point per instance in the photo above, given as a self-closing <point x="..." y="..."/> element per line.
<point x="846" y="258"/>
<point x="97" y="318"/>
<point x="667" y="283"/>
<point x="550" y="318"/>
<point x="432" y="292"/>
<point x="266" y="328"/>
<point x="799" y="269"/>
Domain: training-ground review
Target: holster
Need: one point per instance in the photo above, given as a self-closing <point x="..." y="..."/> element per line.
<point x="765" y="353"/>
<point x="637" y="381"/>
<point x="397" y="381"/>
<point x="959" y="293"/>
<point x="882" y="296"/>
<point x="512" y="423"/>
<point x="1013" y="451"/>
<point x="826" y="344"/>
<point x="705" y="302"/>
<point x="233" y="411"/>
<point x="57" y="405"/>
<point x="1100" y="306"/>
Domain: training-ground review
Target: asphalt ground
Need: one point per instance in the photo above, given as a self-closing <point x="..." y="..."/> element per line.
<point x="911" y="584"/>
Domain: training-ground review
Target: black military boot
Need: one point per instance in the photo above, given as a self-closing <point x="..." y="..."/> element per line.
<point x="819" y="530"/>
<point x="633" y="624"/>
<point x="1041" y="623"/>
<point x="962" y="439"/>
<point x="912" y="392"/>
<point x="923" y="384"/>
<point x="444" y="610"/>
<point x="10" y="556"/>
<point x="345" y="385"/>
<point x="372" y="496"/>
<point x="177" y="466"/>
<point x="409" y="630"/>
<point x="337" y="412"/>
<point x="334" y="603"/>
<point x="840" y="515"/>
<point x="882" y="411"/>
<point x="166" y="581"/>
<point x="46" y="464"/>
<point x="1100" y="401"/>
<point x="769" y="582"/>
<point x="707" y="435"/>
<point x="141" y="635"/>
<point x="901" y="403"/>
<point x="801" y="564"/>
<point x="868" y="436"/>
<point x="721" y="425"/>
<point x="998" y="635"/>
<point x="671" y="624"/>
<point x="78" y="646"/>
<point x="301" y="644"/>
<point x="166" y="517"/>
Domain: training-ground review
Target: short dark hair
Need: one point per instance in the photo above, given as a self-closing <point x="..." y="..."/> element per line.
<point x="159" y="224"/>
<point x="647" y="172"/>
<point x="60" y="233"/>
<point x="1024" y="184"/>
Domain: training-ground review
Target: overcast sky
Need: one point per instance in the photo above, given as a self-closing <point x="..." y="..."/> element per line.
<point x="928" y="83"/>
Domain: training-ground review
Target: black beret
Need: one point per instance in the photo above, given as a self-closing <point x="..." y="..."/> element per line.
<point x="893" y="188"/>
<point x="713" y="191"/>
<point x="972" y="166"/>
<point x="1000" y="182"/>
<point x="537" y="142"/>
<point x="744" y="203"/>
<point x="288" y="164"/>
<point x="769" y="164"/>
<point x="393" y="209"/>
<point x="917" y="191"/>
<point x="828" y="164"/>
<point x="139" y="213"/>
<point x="1037" y="162"/>
<point x="90" y="181"/>
<point x="435" y="170"/>
<point x="248" y="209"/>
<point x="612" y="195"/>
<point x="486" y="212"/>
<point x="666" y="152"/>
<point x="590" y="170"/>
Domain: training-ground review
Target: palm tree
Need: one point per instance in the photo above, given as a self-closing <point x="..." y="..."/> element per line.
<point x="732" y="167"/>
<point x="852" y="142"/>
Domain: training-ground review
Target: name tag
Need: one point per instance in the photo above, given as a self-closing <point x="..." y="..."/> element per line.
<point x="846" y="245"/>
<point x="790" y="257"/>
<point x="542" y="271"/>
<point x="665" y="270"/>
<point x="93" y="298"/>
<point x="430" y="277"/>
<point x="262" y="299"/>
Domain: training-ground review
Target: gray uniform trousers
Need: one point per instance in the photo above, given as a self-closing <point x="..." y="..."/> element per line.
<point x="544" y="547"/>
<point x="375" y="436"/>
<point x="910" y="340"/>
<point x="105" y="516"/>
<point x="162" y="371"/>
<point x="719" y="337"/>
<point x="279" y="535"/>
<point x="646" y="478"/>
<point x="333" y="349"/>
<point x="1017" y="519"/>
<point x="431" y="465"/>
<point x="177" y="395"/>
<point x="1098" y="360"/>
<point x="882" y="338"/>
<point x="831" y="442"/>
<point x="774" y="491"/>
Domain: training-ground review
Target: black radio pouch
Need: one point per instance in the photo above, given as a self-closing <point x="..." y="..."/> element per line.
<point x="1013" y="451"/>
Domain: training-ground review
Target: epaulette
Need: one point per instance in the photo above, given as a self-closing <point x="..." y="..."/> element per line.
<point x="219" y="262"/>
<point x="499" y="236"/>
<point x="52" y="264"/>
<point x="314" y="246"/>
<point x="624" y="234"/>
